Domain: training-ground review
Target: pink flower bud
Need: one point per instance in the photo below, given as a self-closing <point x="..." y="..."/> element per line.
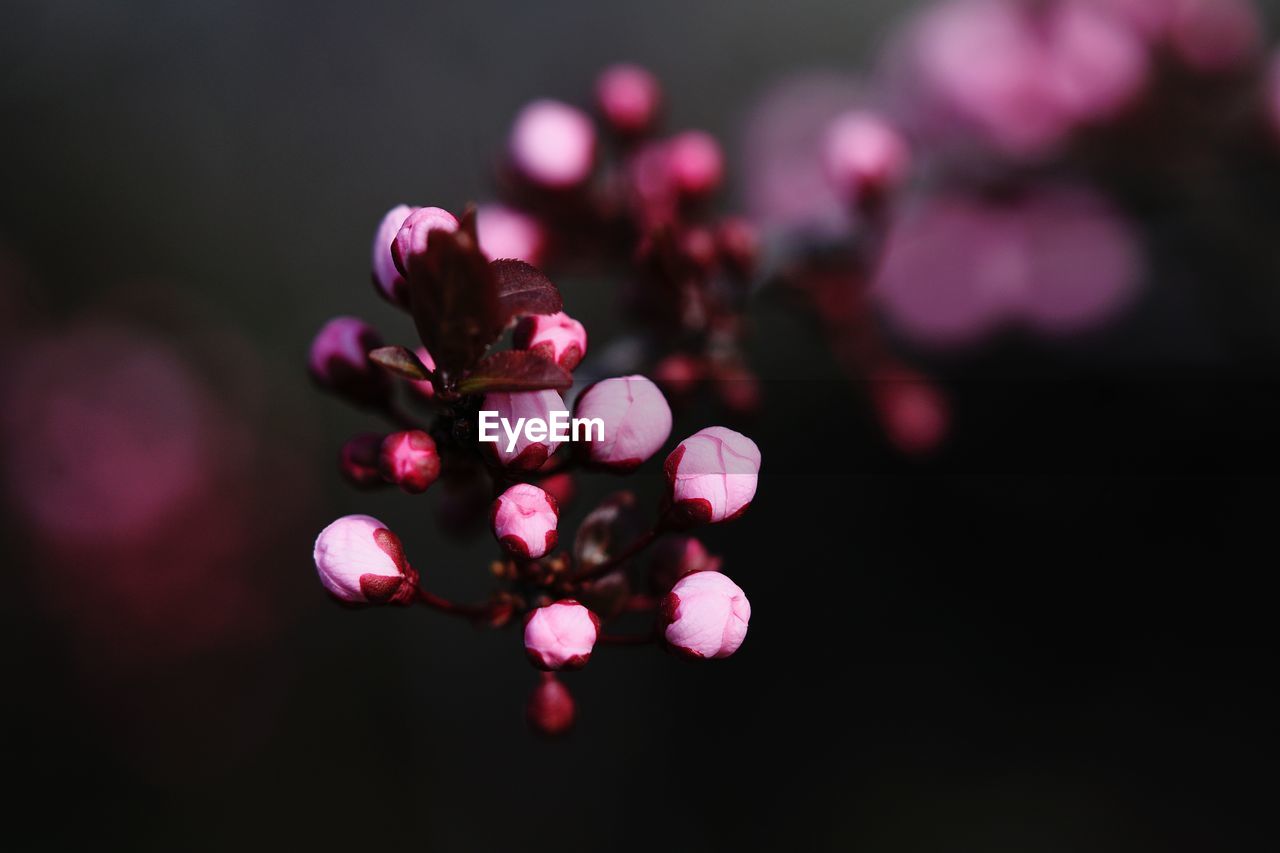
<point x="410" y="460"/>
<point x="679" y="374"/>
<point x="696" y="163"/>
<point x="360" y="561"/>
<point x="423" y="387"/>
<point x="560" y="636"/>
<point x="713" y="475"/>
<point x="914" y="414"/>
<point x="1215" y="36"/>
<point x="561" y="487"/>
<point x="414" y="235"/>
<point x="524" y="519"/>
<point x="677" y="556"/>
<point x="738" y="244"/>
<point x="507" y="233"/>
<point x="865" y="156"/>
<point x="386" y="278"/>
<point x="629" y="98"/>
<point x="524" y="454"/>
<point x="550" y="710"/>
<point x="557" y="337"/>
<point x="637" y="421"/>
<point x="553" y="145"/>
<point x="339" y="360"/>
<point x="705" y="616"/>
<point x="359" y="460"/>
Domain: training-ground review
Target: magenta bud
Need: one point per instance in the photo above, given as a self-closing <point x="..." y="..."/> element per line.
<point x="629" y="98"/>
<point x="410" y="460"/>
<point x="339" y="360"/>
<point x="696" y="163"/>
<point x="738" y="244"/>
<point x="705" y="616"/>
<point x="1215" y="36"/>
<point x="386" y="278"/>
<point x="679" y="374"/>
<point x="359" y="460"/>
<point x="866" y="158"/>
<point x="553" y="145"/>
<point x="414" y="236"/>
<point x="360" y="561"/>
<point x="557" y="337"/>
<point x="524" y="520"/>
<point x="914" y="414"/>
<point x="551" y="709"/>
<point x="712" y="475"/>
<point x="636" y="417"/>
<point x="677" y="556"/>
<point x="523" y="453"/>
<point x="507" y="233"/>
<point x="561" y="487"/>
<point x="560" y="636"/>
<point x="423" y="387"/>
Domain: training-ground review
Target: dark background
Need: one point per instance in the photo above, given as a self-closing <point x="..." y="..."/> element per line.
<point x="1054" y="635"/>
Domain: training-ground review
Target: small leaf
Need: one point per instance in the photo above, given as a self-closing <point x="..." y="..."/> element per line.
<point x="515" y="370"/>
<point x="401" y="362"/>
<point x="454" y="301"/>
<point x="524" y="289"/>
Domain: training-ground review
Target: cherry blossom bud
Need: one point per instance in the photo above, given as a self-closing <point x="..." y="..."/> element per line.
<point x="415" y="234"/>
<point x="561" y="487"/>
<point x="629" y="98"/>
<point x="359" y="460"/>
<point x="339" y="360"/>
<point x="550" y="710"/>
<point x="561" y="636"/>
<point x="913" y="413"/>
<point x="557" y="337"/>
<point x="738" y="244"/>
<point x="696" y="163"/>
<point x="360" y="561"/>
<point x="705" y="616"/>
<point x="410" y="460"/>
<point x="713" y="475"/>
<point x="507" y="233"/>
<point x="524" y="519"/>
<point x="1215" y="36"/>
<point x="679" y="374"/>
<point x="524" y="453"/>
<point x="637" y="421"/>
<point x="423" y="387"/>
<point x="386" y="278"/>
<point x="553" y="144"/>
<point x="677" y="556"/>
<point x="865" y="156"/>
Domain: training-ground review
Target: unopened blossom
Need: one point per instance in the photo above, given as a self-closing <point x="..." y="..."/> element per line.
<point x="677" y="556"/>
<point x="865" y="156"/>
<point x="386" y="278"/>
<point x="524" y="520"/>
<point x="713" y="475"/>
<point x="637" y="421"/>
<point x="360" y="561"/>
<point x="359" y="460"/>
<point x="553" y="144"/>
<point x="415" y="234"/>
<point x="557" y="337"/>
<point x="696" y="162"/>
<point x="705" y="616"/>
<point x="424" y="387"/>
<point x="410" y="460"/>
<point x="505" y="232"/>
<point x="551" y="709"/>
<point x="339" y="360"/>
<point x="525" y="454"/>
<point x="1215" y="35"/>
<point x="629" y="98"/>
<point x="560" y="636"/>
<point x="914" y="414"/>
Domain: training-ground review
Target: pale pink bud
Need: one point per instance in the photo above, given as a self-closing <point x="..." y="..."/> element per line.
<point x="507" y="233"/>
<point x="557" y="337"/>
<point x="551" y="709"/>
<point x="696" y="162"/>
<point x="524" y="453"/>
<point x="360" y="561"/>
<point x="524" y="519"/>
<point x="677" y="556"/>
<point x="560" y="636"/>
<point x="410" y="460"/>
<point x="386" y="278"/>
<point x="423" y="387"/>
<point x="339" y="360"/>
<point x="865" y="156"/>
<point x="629" y="98"/>
<point x="705" y="616"/>
<point x="553" y="144"/>
<point x="637" y="421"/>
<point x="713" y="475"/>
<point x="359" y="460"/>
<point x="414" y="236"/>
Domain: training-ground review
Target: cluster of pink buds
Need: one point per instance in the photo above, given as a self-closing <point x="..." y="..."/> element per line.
<point x="444" y="397"/>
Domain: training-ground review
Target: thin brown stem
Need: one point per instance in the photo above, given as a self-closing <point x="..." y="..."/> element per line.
<point x="622" y="556"/>
<point x="444" y="605"/>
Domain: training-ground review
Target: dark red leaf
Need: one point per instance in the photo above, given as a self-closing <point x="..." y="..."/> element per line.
<point x="523" y="289"/>
<point x="401" y="362"/>
<point x="515" y="370"/>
